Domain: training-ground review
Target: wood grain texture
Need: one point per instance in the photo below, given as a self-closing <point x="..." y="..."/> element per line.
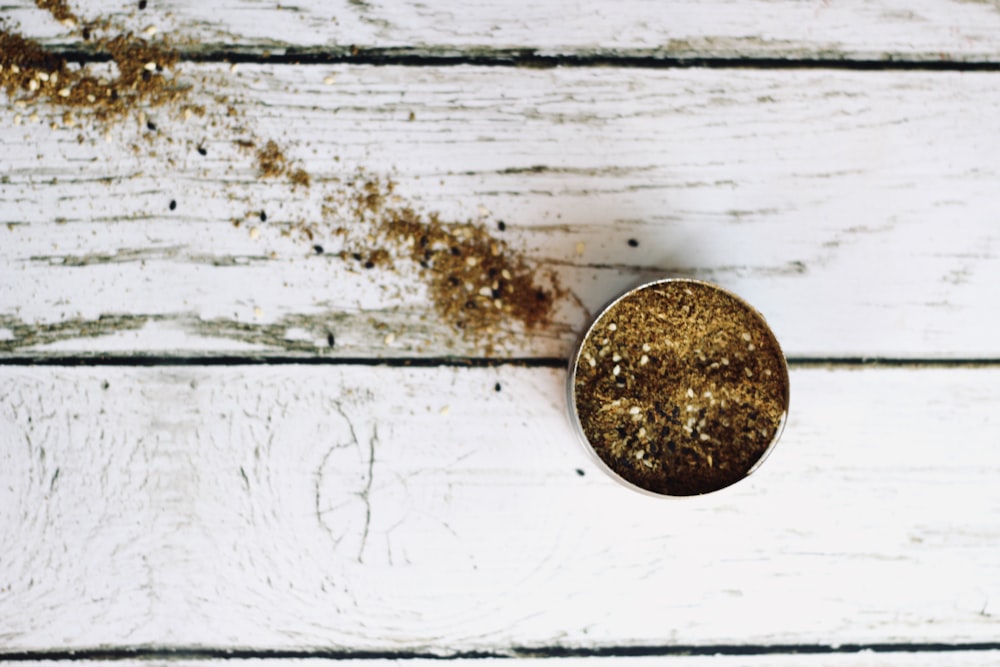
<point x="346" y="508"/>
<point x="856" y="210"/>
<point x="887" y="29"/>
<point x="956" y="658"/>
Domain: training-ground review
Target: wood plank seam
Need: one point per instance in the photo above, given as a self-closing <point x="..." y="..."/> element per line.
<point x="534" y="58"/>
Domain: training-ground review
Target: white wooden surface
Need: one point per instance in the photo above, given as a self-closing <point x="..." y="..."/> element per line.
<point x="370" y="508"/>
<point x="923" y="30"/>
<point x="868" y="659"/>
<point x="870" y="194"/>
<point x="345" y="508"/>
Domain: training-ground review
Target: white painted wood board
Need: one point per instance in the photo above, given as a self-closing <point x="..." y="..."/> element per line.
<point x="867" y="659"/>
<point x="343" y="508"/>
<point x="924" y="30"/>
<point x="856" y="210"/>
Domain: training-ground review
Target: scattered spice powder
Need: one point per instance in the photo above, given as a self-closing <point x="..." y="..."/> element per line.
<point x="477" y="284"/>
<point x="31" y="75"/>
<point x="680" y="388"/>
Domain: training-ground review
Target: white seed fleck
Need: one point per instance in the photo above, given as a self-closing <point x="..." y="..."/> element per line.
<point x="748" y="372"/>
<point x="746" y="336"/>
<point x="506" y="274"/>
<point x="580" y="248"/>
<point x="646" y="347"/>
<point x="590" y="360"/>
<point x="254" y="233"/>
<point x="725" y="361"/>
<point x="485" y="291"/>
<point x="258" y="312"/>
<point x="445" y="410"/>
<point x="329" y="80"/>
<point x="390" y="338"/>
<point x="616" y="370"/>
<point x="91" y="99"/>
<point x="33" y="117"/>
<point x="708" y="457"/>
<point x="643" y="360"/>
<point x="43" y="76"/>
<point x="690" y="392"/>
<point x="232" y="68"/>
<point x="639" y="454"/>
<point x="616" y="357"/>
<point x="64" y="92"/>
<point x="17" y="119"/>
<point x="707" y="394"/>
<point x="15" y="69"/>
<point x="642" y="432"/>
<point x="187" y="114"/>
<point x="612" y="327"/>
<point x="703" y="437"/>
<point x="150" y="66"/>
<point x="751" y="347"/>
<point x="151" y="30"/>
<point x="634" y="410"/>
<point x="767" y="372"/>
<point x="32" y="85"/>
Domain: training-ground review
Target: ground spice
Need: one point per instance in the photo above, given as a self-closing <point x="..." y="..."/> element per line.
<point x="31" y="75"/>
<point x="680" y="388"/>
<point x="477" y="283"/>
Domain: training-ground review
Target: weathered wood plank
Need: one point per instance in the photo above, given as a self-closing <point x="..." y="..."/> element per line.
<point x="344" y="508"/>
<point x="867" y="659"/>
<point x="888" y="29"/>
<point x="856" y="210"/>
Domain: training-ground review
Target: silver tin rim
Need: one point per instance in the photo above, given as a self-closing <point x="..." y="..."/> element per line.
<point x="574" y="363"/>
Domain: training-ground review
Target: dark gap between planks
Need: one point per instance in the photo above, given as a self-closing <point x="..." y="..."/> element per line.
<point x="150" y="653"/>
<point x="144" y="360"/>
<point x="531" y="58"/>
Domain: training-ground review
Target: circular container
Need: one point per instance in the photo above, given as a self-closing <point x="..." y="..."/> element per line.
<point x="678" y="388"/>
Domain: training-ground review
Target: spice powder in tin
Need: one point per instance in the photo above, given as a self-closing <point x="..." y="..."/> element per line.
<point x="680" y="388"/>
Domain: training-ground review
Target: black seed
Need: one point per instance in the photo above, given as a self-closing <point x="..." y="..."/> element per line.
<point x="501" y="225"/>
<point x="470" y="304"/>
<point x="173" y="204"/>
<point x="492" y="272"/>
<point x="453" y="281"/>
<point x="369" y="264"/>
<point x="356" y="255"/>
<point x="496" y="294"/>
<point x="497" y="387"/>
<point x="263" y="216"/>
<point x="423" y="241"/>
<point x="105" y="384"/>
<point x="540" y="295"/>
<point x="202" y="151"/>
<point x="330" y="340"/>
<point x="455" y="251"/>
<point x="580" y="472"/>
<point x="672" y="446"/>
<point x="318" y="249"/>
<point x="460" y="324"/>
<point x="428" y="254"/>
<point x="633" y="243"/>
<point x="676" y="413"/>
<point x="654" y="448"/>
<point x="151" y="126"/>
<point x="86" y="33"/>
<point x="424" y="264"/>
<point x="114" y="95"/>
<point x="146" y="75"/>
<point x="142" y="4"/>
<point x="621" y="432"/>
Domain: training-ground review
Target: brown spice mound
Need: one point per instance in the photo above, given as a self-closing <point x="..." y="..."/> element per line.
<point x="680" y="388"/>
<point x="477" y="283"/>
<point x="31" y="75"/>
